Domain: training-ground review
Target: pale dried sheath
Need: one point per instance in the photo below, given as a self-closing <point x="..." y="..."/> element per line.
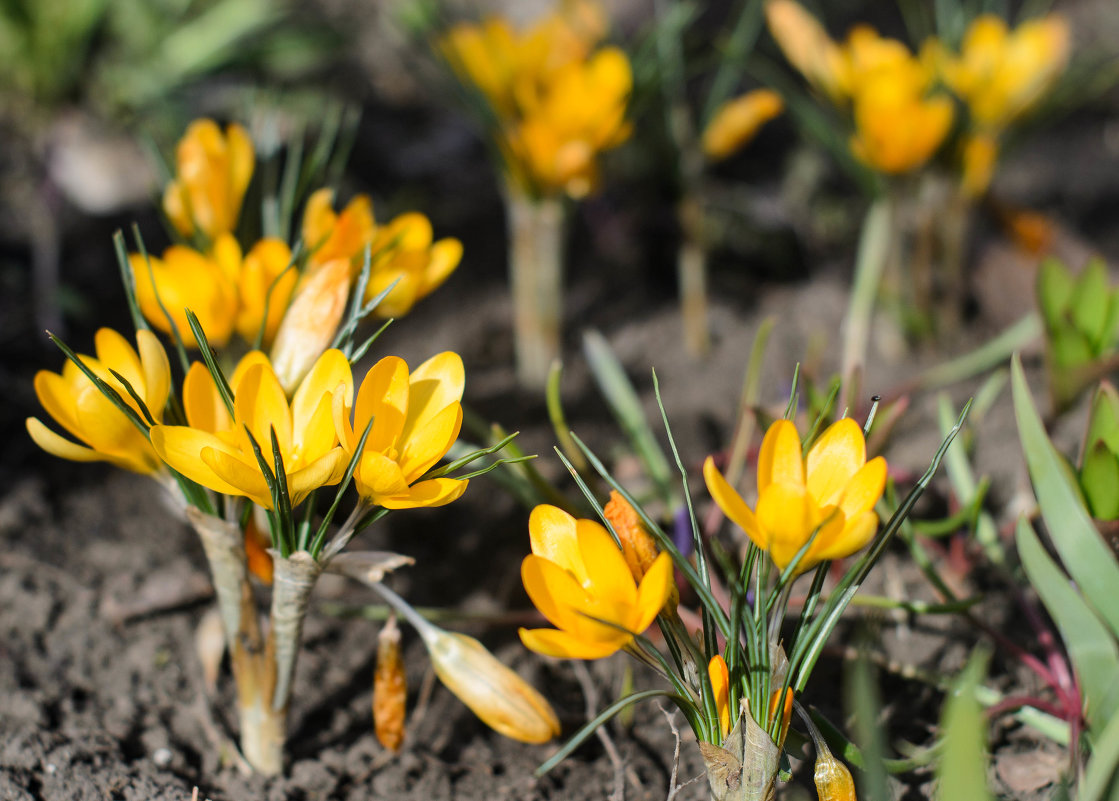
<point x="390" y="689"/>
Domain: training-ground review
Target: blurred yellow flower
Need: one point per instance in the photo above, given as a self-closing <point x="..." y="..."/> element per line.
<point x="579" y="580"/>
<point x="216" y="452"/>
<point x="227" y="292"/>
<point x="403" y="252"/>
<point x="212" y="172"/>
<point x="556" y="104"/>
<point x="187" y="279"/>
<point x="830" y="494"/>
<point x="1002" y="74"/>
<point x="416" y="418"/>
<point x="580" y="113"/>
<point x="898" y="124"/>
<point x="737" y="121"/>
<point x="78" y="405"/>
<point x="720" y="687"/>
<point x="328" y="235"/>
<point x="807" y="46"/>
<point x="503" y="700"/>
<point x="897" y="129"/>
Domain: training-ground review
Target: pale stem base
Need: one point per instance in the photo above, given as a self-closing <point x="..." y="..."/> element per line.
<point x="536" y="229"/>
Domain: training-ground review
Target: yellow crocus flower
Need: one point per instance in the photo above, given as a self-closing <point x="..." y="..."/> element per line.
<point x="224" y="461"/>
<point x="80" y="407"/>
<point x="212" y="172"/>
<point x="830" y="494"/>
<point x="403" y="252"/>
<point x="720" y="687"/>
<point x="577" y="576"/>
<point x="737" y="121"/>
<point x="416" y="417"/>
<point x="979" y="153"/>
<point x="1001" y="74"/>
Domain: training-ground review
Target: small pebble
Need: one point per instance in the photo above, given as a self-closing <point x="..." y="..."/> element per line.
<point x="162" y="757"/>
<point x="52" y="768"/>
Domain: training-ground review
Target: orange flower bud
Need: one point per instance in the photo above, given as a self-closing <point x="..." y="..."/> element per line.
<point x="390" y="690"/>
<point x="311" y="321"/>
<point x="637" y="546"/>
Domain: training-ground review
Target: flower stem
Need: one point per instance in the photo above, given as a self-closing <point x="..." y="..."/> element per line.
<point x="536" y="230"/>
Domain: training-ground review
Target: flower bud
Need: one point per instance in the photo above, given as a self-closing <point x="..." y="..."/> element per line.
<point x="311" y="321"/>
<point x="503" y="700"/>
<point x="390" y="690"/>
<point x="637" y="546"/>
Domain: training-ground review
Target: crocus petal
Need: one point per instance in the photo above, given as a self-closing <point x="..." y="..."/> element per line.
<point x="653" y="592"/>
<point x="317" y="436"/>
<point x="229" y="467"/>
<point x="181" y="447"/>
<point x="379" y="477"/>
<point x="331" y="370"/>
<point x="434" y="385"/>
<point x="383" y="397"/>
<point x="553" y="590"/>
<point x="57" y="397"/>
<point x="784" y="515"/>
<point x="445" y="257"/>
<point x="325" y="471"/>
<point x="856" y="533"/>
<point x="834" y="459"/>
<point x="114" y="351"/>
<point x="864" y="490"/>
<point x="57" y="445"/>
<point x="260" y="404"/>
<point x="563" y="645"/>
<point x="430" y="493"/>
<point x="552" y="536"/>
<point x="204" y="407"/>
<point x="779" y="460"/>
<point x="157" y="372"/>
<point x="608" y="577"/>
<point x="429" y="443"/>
<point x="731" y="502"/>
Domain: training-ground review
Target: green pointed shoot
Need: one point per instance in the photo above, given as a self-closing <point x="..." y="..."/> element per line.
<point x="1101" y="778"/>
<point x="1091" y="647"/>
<point x="1088" y="305"/>
<point x="1099" y="478"/>
<point x="962" y="770"/>
<point x="1089" y="561"/>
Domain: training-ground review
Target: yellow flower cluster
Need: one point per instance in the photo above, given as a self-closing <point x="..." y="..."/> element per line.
<point x="1000" y="75"/>
<point x="416" y="418"/>
<point x="899" y="118"/>
<point x="899" y="122"/>
<point x="230" y="290"/>
<point x="556" y="102"/>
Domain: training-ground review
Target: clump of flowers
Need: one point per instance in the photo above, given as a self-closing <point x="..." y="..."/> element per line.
<point x="248" y="447"/>
<point x="736" y="681"/>
<point x="551" y="101"/>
